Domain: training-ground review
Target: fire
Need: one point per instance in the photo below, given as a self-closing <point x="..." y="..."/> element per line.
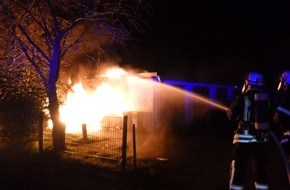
<point x="83" y="107"/>
<point x="116" y="94"/>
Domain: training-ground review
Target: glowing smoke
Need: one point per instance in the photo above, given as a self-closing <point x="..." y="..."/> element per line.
<point x="154" y="107"/>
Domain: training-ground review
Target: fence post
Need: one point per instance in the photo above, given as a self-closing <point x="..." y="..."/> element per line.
<point x="124" y="144"/>
<point x="134" y="147"/>
<point x="40" y="133"/>
<point x="85" y="134"/>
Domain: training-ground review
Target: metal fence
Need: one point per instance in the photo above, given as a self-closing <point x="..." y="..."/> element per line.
<point x="101" y="147"/>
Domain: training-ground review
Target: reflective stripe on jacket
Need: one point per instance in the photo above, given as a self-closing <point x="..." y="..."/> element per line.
<point x="244" y="138"/>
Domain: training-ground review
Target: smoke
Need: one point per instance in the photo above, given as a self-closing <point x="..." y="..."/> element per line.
<point x="172" y="117"/>
<point x="158" y="109"/>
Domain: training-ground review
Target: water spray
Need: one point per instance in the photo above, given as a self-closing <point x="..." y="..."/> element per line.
<point x="224" y="108"/>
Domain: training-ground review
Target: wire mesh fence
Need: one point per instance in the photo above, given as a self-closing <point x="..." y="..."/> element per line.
<point x="102" y="147"/>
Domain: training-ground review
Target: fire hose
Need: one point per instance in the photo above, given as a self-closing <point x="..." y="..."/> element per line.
<point x="272" y="134"/>
<point x="282" y="152"/>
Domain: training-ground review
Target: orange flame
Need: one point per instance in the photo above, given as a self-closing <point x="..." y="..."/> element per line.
<point x="117" y="94"/>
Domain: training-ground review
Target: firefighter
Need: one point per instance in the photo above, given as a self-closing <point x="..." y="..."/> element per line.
<point x="282" y="115"/>
<point x="251" y="113"/>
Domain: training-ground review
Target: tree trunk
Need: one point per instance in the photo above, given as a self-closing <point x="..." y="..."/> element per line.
<point x="58" y="130"/>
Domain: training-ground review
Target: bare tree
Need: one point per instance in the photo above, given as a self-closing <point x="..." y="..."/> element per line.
<point x="47" y="32"/>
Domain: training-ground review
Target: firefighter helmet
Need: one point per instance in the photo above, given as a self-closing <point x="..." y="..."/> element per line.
<point x="253" y="80"/>
<point x="284" y="80"/>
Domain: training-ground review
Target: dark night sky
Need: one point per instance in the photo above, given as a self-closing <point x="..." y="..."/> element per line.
<point x="216" y="41"/>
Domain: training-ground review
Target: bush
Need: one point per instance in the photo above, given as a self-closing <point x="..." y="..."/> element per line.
<point x="19" y="117"/>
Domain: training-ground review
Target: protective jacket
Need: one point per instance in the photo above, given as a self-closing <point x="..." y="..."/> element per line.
<point x="282" y="115"/>
<point x="252" y="111"/>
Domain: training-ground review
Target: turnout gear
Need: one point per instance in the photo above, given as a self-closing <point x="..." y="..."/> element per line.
<point x="282" y="115"/>
<point x="284" y="81"/>
<point x="251" y="112"/>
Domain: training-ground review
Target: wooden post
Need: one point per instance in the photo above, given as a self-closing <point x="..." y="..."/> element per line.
<point x="85" y="134"/>
<point x="124" y="144"/>
<point x="134" y="147"/>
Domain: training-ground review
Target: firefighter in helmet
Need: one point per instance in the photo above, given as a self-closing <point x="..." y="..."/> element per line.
<point x="250" y="112"/>
<point x="282" y="115"/>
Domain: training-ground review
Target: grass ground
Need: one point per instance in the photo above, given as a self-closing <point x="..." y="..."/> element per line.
<point x="191" y="161"/>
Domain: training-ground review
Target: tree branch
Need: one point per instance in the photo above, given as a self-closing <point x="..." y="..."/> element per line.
<point x="34" y="64"/>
